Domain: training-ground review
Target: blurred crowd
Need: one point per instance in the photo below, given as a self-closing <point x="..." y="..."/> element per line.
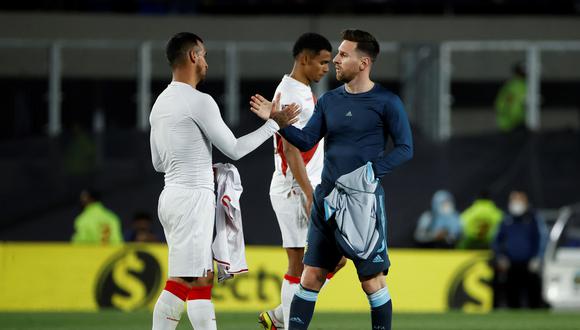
<point x="516" y="236"/>
<point x="96" y="224"/>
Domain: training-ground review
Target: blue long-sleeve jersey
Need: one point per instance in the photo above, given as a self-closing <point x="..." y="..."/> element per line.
<point x="356" y="128"/>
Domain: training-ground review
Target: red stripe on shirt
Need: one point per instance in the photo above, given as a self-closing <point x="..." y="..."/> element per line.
<point x="306" y="155"/>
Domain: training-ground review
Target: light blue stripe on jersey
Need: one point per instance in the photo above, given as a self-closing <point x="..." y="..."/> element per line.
<point x="379" y="298"/>
<point x="383" y="215"/>
<point x="306" y="294"/>
<point x="328" y="211"/>
<point x="371" y="174"/>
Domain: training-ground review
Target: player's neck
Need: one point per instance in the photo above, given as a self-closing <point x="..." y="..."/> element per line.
<point x="298" y="75"/>
<point x="360" y="84"/>
<point x="186" y="78"/>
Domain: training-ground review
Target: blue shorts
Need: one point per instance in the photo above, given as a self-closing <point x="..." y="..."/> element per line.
<point x="323" y="249"/>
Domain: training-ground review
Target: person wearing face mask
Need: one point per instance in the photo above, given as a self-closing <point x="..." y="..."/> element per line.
<point x="518" y="248"/>
<point x="441" y="226"/>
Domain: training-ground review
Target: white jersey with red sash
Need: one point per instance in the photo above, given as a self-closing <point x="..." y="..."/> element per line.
<point x="293" y="91"/>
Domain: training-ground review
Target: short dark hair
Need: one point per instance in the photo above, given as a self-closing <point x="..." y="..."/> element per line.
<point x="92" y="193"/>
<point x="179" y="45"/>
<point x="312" y="42"/>
<point x="484" y="193"/>
<point x="519" y="68"/>
<point x="366" y="43"/>
<point x="142" y="215"/>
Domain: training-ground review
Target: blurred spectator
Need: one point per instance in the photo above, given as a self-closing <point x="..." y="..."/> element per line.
<point x="519" y="248"/>
<point x="479" y="223"/>
<point x="441" y="226"/>
<point x="80" y="153"/>
<point x="96" y="224"/>
<point x="141" y="229"/>
<point x="510" y="103"/>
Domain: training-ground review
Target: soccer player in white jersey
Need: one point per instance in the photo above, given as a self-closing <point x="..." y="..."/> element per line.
<point x="296" y="173"/>
<point x="185" y="123"/>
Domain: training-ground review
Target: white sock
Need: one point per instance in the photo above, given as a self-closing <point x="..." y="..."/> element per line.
<point x="288" y="291"/>
<point x="167" y="311"/>
<point x="279" y="314"/>
<point x="201" y="314"/>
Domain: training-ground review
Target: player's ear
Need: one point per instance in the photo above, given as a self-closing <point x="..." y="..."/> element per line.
<point x="303" y="58"/>
<point x="192" y="55"/>
<point x="364" y="63"/>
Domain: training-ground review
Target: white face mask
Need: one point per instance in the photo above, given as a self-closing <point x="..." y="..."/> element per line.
<point x="517" y="208"/>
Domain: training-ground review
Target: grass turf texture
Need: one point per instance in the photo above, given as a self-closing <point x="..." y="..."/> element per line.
<point x="505" y="320"/>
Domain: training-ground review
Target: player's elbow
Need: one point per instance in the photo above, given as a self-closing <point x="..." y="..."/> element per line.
<point x="236" y="157"/>
<point x="235" y="154"/>
<point x="233" y="151"/>
<point x="290" y="150"/>
<point x="408" y="152"/>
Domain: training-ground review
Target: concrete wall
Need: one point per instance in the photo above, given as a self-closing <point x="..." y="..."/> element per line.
<point x="122" y="63"/>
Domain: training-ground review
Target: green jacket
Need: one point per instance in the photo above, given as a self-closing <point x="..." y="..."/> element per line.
<point x="97" y="225"/>
<point x="479" y="222"/>
<point x="510" y="104"/>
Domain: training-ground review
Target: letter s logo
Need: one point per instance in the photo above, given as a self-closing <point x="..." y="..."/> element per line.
<point x="124" y="275"/>
<point x="471" y="289"/>
<point x="476" y="285"/>
<point x="129" y="280"/>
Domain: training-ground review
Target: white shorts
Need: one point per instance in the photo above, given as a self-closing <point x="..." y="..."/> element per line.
<point x="188" y="217"/>
<point x="291" y="219"/>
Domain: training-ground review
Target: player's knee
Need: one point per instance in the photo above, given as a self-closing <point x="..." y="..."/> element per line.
<point x="341" y="264"/>
<point x="204" y="281"/>
<point x="373" y="283"/>
<point x="313" y="278"/>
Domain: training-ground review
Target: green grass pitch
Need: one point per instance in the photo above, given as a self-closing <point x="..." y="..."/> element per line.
<point x="505" y="320"/>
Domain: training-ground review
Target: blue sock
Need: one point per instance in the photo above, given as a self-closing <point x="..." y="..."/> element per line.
<point x="381" y="309"/>
<point x="302" y="308"/>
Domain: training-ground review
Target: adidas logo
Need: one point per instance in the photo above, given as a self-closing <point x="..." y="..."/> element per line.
<point x="296" y="319"/>
<point x="348" y="114"/>
<point x="378" y="259"/>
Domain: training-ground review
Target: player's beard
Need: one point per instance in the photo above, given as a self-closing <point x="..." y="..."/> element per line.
<point x="344" y="77"/>
<point x="201" y="73"/>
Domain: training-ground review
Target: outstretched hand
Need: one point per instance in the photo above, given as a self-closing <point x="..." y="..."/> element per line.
<point x="260" y="106"/>
<point x="271" y="110"/>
